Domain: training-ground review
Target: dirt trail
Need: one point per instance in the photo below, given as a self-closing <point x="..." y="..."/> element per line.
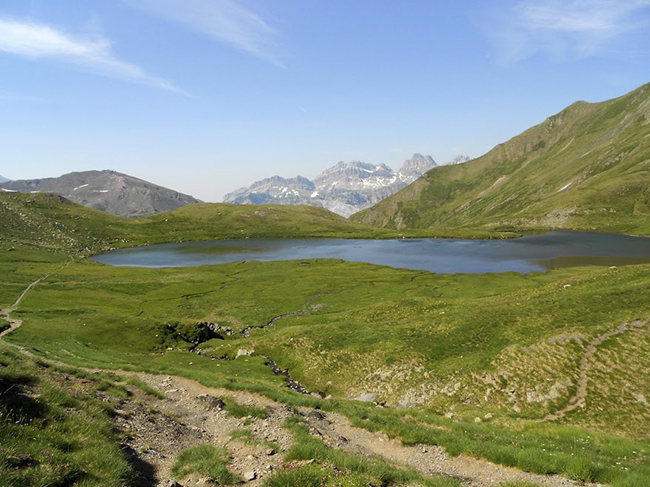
<point x="6" y="312"/>
<point x="13" y="322"/>
<point x="578" y="400"/>
<point x="156" y="441"/>
<point x="429" y="460"/>
<point x="157" y="430"/>
<point x="190" y="415"/>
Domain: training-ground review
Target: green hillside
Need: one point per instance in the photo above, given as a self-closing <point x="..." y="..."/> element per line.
<point x="588" y="167"/>
<point x="51" y="222"/>
<point x="545" y="372"/>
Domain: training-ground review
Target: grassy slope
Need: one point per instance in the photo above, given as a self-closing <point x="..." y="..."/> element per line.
<point x="601" y="150"/>
<point x="51" y="222"/>
<point x="443" y="342"/>
<point x="451" y="343"/>
<point x="414" y="337"/>
<point x="53" y="428"/>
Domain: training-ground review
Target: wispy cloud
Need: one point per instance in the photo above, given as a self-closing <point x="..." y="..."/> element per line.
<point x="41" y="41"/>
<point x="223" y="20"/>
<point x="564" y="29"/>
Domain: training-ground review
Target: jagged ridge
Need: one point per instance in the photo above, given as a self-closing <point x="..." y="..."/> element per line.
<point x="345" y="188"/>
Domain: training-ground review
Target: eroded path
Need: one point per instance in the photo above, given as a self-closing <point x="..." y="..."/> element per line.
<point x="429" y="460"/>
<point x="578" y="400"/>
<point x="157" y="430"/>
<point x="185" y="418"/>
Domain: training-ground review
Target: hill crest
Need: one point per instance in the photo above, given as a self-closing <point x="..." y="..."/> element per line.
<point x="586" y="167"/>
<point x="108" y="191"/>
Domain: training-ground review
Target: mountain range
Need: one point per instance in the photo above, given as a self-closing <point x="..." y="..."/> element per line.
<point x="344" y="188"/>
<point x="3" y="179"/>
<point x="587" y="167"/>
<point x="107" y="191"/>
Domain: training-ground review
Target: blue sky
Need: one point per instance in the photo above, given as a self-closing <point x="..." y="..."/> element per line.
<point x="206" y="96"/>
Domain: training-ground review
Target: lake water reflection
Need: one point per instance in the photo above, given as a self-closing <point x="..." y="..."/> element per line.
<point x="533" y="253"/>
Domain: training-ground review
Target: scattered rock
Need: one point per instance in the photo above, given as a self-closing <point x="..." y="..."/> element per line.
<point x="169" y="483"/>
<point x="315" y="414"/>
<point x="244" y="352"/>
<point x="250" y="475"/>
<point x="206" y="481"/>
<point x="211" y="402"/>
<point x="366" y="397"/>
<point x="20" y="461"/>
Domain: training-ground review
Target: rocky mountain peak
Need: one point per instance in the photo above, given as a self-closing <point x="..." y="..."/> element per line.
<point x="460" y="159"/>
<point x="344" y="188"/>
<point x="415" y="167"/>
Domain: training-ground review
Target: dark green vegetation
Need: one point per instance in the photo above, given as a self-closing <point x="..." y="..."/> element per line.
<point x="53" y="429"/>
<point x="588" y="167"/>
<point x="545" y="372"/>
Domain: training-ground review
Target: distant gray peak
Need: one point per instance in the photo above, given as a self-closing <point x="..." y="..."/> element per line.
<point x="108" y="191"/>
<point x="459" y="159"/>
<point x="281" y="182"/>
<point x="354" y="170"/>
<point x="344" y="188"/>
<point x="415" y="167"/>
<point x="4" y="180"/>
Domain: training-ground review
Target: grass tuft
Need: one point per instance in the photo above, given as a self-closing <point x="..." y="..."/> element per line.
<point x="205" y="460"/>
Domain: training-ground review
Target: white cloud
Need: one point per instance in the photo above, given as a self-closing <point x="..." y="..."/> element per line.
<point x="223" y="20"/>
<point x="564" y="29"/>
<point x="37" y="41"/>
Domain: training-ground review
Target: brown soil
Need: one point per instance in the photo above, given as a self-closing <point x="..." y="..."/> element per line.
<point x="157" y="430"/>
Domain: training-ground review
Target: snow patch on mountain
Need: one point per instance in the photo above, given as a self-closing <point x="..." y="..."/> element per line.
<point x="345" y="188"/>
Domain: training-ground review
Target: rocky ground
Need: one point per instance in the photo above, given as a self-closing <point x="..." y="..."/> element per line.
<point x="157" y="430"/>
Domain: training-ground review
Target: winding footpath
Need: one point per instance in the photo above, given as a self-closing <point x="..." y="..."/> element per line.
<point x="159" y="429"/>
<point x="579" y="398"/>
<point x="6" y="312"/>
<point x="156" y="441"/>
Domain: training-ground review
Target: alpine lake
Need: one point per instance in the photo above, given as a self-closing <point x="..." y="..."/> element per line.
<point x="534" y="253"/>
